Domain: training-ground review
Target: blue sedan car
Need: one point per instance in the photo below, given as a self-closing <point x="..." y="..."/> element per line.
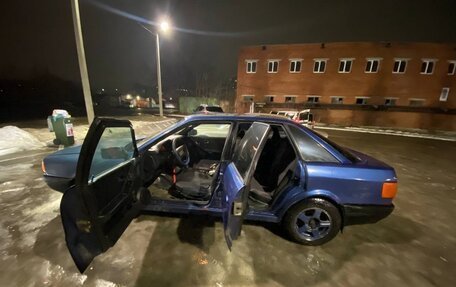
<point x="253" y="167"/>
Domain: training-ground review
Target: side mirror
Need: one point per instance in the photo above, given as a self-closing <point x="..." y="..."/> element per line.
<point x="192" y="133"/>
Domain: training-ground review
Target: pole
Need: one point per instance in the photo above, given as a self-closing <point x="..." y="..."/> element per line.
<point x="160" y="95"/>
<point x="82" y="60"/>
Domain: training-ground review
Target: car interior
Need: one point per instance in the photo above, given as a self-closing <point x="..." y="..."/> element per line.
<point x="184" y="166"/>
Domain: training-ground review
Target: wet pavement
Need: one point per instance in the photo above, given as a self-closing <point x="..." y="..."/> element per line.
<point x="415" y="246"/>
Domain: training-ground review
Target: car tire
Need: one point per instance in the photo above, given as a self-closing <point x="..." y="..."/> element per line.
<point x="312" y="222"/>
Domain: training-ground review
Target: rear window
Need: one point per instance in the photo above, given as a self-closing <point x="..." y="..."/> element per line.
<point x="309" y="149"/>
<point x="351" y="157"/>
<point x="214" y="109"/>
<point x="303" y="116"/>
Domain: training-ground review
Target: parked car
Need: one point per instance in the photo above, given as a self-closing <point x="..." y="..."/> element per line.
<point x="289" y="114"/>
<point x="304" y="117"/>
<point x="207" y="109"/>
<point x="255" y="167"/>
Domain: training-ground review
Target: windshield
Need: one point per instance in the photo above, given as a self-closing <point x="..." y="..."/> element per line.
<point x="214" y="109"/>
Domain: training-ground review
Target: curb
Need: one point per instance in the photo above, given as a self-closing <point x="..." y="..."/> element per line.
<point x="398" y="133"/>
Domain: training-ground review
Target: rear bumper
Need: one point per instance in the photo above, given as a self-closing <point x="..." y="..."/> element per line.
<point x="362" y="214"/>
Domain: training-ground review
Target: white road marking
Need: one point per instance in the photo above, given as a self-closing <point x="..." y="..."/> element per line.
<point x="21" y="157"/>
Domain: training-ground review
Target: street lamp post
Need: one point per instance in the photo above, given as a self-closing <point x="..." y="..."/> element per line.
<point x="163" y="27"/>
<point x="82" y="60"/>
<point x="160" y="93"/>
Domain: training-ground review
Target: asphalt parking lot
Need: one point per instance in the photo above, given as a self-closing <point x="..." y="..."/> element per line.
<point x="415" y="246"/>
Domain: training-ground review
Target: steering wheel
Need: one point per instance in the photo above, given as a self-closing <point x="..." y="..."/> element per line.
<point x="180" y="152"/>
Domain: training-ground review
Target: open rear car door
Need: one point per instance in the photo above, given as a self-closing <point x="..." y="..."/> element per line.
<point x="107" y="194"/>
<point x="236" y="179"/>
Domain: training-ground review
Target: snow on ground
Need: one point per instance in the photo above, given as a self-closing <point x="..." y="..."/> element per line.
<point x="14" y="139"/>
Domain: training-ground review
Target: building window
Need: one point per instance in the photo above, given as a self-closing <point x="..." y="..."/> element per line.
<point x="337" y="100"/>
<point x="251" y="66"/>
<point x="269" y="99"/>
<point x="399" y="66"/>
<point x="319" y="65"/>
<point x="345" y="65"/>
<point x="295" y="66"/>
<point x="290" y="99"/>
<point x="451" y="67"/>
<point x="273" y="66"/>
<point x="444" y="94"/>
<point x="313" y="99"/>
<point x="427" y="66"/>
<point x="416" y="102"/>
<point x="361" y="100"/>
<point x="247" y="98"/>
<point x="390" y="101"/>
<point x="372" y="65"/>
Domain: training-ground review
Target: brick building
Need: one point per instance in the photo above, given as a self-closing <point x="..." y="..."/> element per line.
<point x="410" y="85"/>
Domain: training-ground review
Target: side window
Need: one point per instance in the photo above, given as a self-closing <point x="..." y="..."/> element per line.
<point x="245" y="151"/>
<point x="309" y="149"/>
<point x="114" y="148"/>
<point x="211" y="130"/>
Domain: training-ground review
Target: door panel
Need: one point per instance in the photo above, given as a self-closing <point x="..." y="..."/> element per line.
<point x="236" y="179"/>
<point x="235" y="188"/>
<point x="106" y="196"/>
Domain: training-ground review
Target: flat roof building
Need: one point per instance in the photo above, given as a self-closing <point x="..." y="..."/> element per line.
<point x="410" y="85"/>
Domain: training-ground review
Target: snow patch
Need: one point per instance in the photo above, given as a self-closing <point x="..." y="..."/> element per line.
<point x="14" y="139"/>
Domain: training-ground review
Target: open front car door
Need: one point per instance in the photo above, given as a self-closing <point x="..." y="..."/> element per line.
<point x="236" y="179"/>
<point x="107" y="194"/>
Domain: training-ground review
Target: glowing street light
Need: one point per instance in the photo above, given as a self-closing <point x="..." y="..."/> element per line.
<point x="164" y="26"/>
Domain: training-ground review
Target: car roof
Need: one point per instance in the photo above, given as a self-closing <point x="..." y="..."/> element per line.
<point x="269" y="118"/>
<point x="238" y="117"/>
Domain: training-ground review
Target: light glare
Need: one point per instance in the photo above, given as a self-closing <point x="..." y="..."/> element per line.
<point x="164" y="26"/>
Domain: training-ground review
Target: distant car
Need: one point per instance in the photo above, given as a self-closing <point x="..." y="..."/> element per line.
<point x="207" y="109"/>
<point x="256" y="167"/>
<point x="288" y="114"/>
<point x="304" y="117"/>
<point x="169" y="105"/>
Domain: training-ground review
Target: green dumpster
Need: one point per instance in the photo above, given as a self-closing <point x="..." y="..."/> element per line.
<point x="60" y="123"/>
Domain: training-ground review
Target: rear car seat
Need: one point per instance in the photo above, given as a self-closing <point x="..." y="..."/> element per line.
<point x="257" y="191"/>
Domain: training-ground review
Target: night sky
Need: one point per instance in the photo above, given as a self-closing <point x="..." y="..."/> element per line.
<point x="38" y="35"/>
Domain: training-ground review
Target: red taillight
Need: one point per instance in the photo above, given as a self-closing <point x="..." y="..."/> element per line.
<point x="389" y="190"/>
<point x="43" y="168"/>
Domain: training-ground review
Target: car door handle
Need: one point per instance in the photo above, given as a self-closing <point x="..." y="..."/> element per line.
<point x="237" y="208"/>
